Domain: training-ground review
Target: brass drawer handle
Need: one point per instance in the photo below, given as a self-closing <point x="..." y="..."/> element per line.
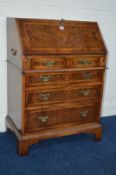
<point x="45" y="78"/>
<point x="14" y="52"/>
<point x="44" y="96"/>
<point x="87" y="75"/>
<point x="84" y="113"/>
<point x="49" y="63"/>
<point x="85" y="62"/>
<point x="43" y="118"/>
<point x="86" y="92"/>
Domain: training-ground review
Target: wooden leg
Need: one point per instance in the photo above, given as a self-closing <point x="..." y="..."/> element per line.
<point x="23" y="148"/>
<point x="98" y="134"/>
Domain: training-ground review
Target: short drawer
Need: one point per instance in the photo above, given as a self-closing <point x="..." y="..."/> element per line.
<point x="46" y="62"/>
<point x="48" y="119"/>
<point x="33" y="98"/>
<point x="35" y="79"/>
<point x="87" y="61"/>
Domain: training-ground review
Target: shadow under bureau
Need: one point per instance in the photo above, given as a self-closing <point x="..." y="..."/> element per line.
<point x="55" y="79"/>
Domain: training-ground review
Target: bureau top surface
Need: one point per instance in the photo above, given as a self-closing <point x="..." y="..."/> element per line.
<point x="59" y="37"/>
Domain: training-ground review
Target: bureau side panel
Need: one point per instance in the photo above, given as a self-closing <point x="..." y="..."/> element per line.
<point x="14" y="75"/>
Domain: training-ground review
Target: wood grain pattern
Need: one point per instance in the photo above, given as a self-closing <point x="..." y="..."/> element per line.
<point x="43" y="96"/>
<point x="63" y="61"/>
<point x="62" y="74"/>
<point x="41" y="79"/>
<point x="44" y="36"/>
<point x="61" y="117"/>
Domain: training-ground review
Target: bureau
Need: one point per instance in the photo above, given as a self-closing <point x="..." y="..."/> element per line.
<point x="55" y="79"/>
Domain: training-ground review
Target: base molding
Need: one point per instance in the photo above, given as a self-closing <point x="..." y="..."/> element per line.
<point x="24" y="141"/>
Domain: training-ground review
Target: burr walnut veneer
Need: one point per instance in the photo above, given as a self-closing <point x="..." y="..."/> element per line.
<point x="55" y="79"/>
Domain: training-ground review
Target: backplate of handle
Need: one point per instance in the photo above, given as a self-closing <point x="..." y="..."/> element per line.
<point x="46" y="78"/>
<point x="43" y="119"/>
<point x="84" y="113"/>
<point x="44" y="96"/>
<point x="86" y="92"/>
<point x="49" y="62"/>
<point x="85" y="62"/>
<point x="87" y="75"/>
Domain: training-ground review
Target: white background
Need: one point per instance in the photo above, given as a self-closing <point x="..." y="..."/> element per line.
<point x="102" y="11"/>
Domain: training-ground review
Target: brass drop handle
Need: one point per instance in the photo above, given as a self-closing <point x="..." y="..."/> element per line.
<point x="14" y="52"/>
<point x="45" y="78"/>
<point x="87" y="75"/>
<point x="86" y="92"/>
<point x="44" y="96"/>
<point x="43" y="119"/>
<point x="49" y="62"/>
<point x="85" y="62"/>
<point x="84" y="113"/>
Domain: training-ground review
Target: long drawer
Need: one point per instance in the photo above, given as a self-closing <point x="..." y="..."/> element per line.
<point x="63" y="61"/>
<point x="35" y="97"/>
<point x="37" y="120"/>
<point x="36" y="79"/>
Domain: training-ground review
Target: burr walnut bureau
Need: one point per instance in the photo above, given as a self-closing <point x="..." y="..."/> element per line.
<point x="55" y="79"/>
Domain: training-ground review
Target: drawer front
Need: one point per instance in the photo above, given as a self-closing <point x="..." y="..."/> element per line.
<point x="36" y="79"/>
<point x="34" y="98"/>
<point x="62" y="62"/>
<point x="44" y="78"/>
<point x="87" y="76"/>
<point x="86" y="62"/>
<point x="48" y="96"/>
<point x="46" y="62"/>
<point x="49" y="119"/>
